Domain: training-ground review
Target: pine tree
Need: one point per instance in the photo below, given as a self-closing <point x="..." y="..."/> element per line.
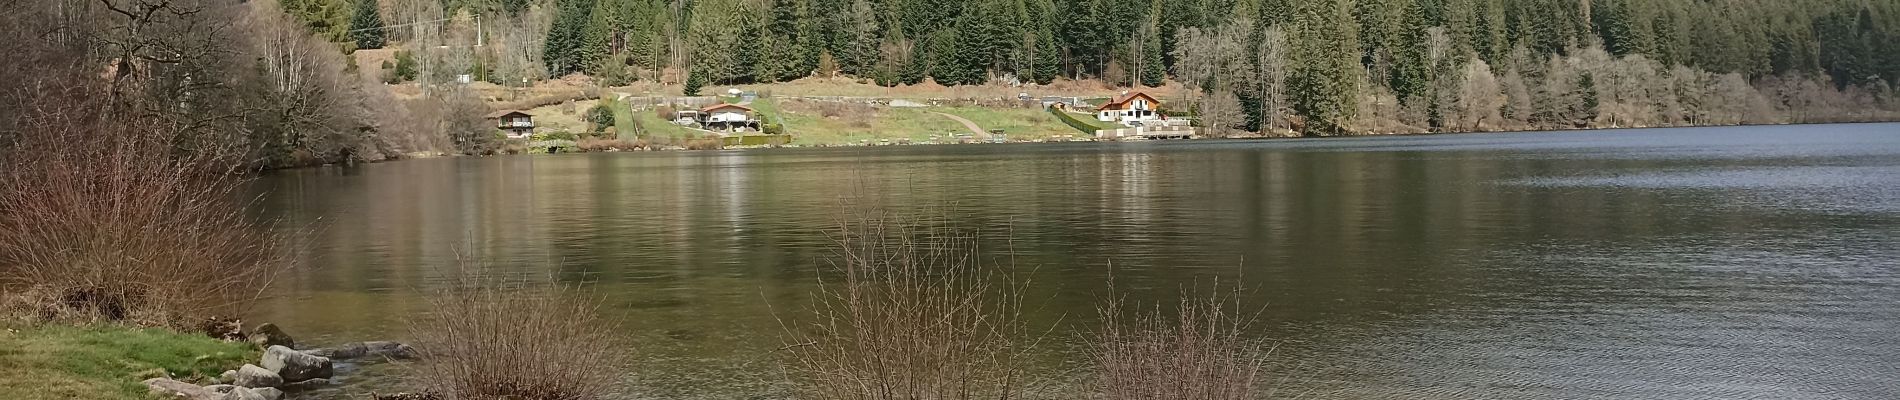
<point x="1324" y="80"/>
<point x="1153" y="69"/>
<point x="366" y="28"/>
<point x="694" y="82"/>
<point x="563" y="53"/>
<point x="1046" y="57"/>
<point x="858" y="50"/>
<point x="719" y="32"/>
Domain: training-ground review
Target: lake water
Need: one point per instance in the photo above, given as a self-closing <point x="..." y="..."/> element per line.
<point x="1717" y="263"/>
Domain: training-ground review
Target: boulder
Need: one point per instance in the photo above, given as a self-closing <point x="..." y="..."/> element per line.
<point x="305" y="385"/>
<point x="269" y="393"/>
<point x="175" y="389"/>
<point x="403" y="396"/>
<point x="252" y="376"/>
<point x="390" y="350"/>
<point x="227" y="377"/>
<point x="341" y="352"/>
<point x="244" y="394"/>
<point x="221" y="388"/>
<point x="269" y="334"/>
<point x="354" y="350"/>
<point x="226" y="329"/>
<point x="294" y="366"/>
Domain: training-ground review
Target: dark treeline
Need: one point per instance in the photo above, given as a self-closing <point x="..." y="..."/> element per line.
<point x="1330" y="55"/>
<point x="1038" y="40"/>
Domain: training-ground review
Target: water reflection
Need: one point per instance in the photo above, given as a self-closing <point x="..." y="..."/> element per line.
<point x="1695" y="263"/>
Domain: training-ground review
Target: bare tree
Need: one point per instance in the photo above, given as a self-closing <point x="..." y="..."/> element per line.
<point x="306" y="110"/>
<point x="1517" y="98"/>
<point x="1221" y="114"/>
<point x="1211" y="65"/>
<point x="521" y="41"/>
<point x="1478" y="98"/>
<point x="1272" y="63"/>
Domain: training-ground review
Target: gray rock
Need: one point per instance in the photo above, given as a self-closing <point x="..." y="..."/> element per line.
<point x="294" y="366"/>
<point x="270" y="393"/>
<point x="390" y="349"/>
<point x="221" y="388"/>
<point x="355" y="350"/>
<point x="269" y="334"/>
<point x="187" y="391"/>
<point x="305" y="385"/>
<point x="244" y="394"/>
<point x="403" y="396"/>
<point x="252" y="376"/>
<point x="227" y="377"/>
<point x="342" y="352"/>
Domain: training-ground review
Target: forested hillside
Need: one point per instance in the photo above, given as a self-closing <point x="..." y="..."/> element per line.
<point x="1326" y="66"/>
<point x="269" y="81"/>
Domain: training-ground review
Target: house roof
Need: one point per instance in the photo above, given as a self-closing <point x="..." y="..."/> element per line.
<point x="1122" y="101"/>
<point x="504" y="113"/>
<point x="720" y="106"/>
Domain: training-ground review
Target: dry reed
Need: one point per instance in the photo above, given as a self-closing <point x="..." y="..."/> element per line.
<point x="106" y="214"/>
<point x="491" y="339"/>
<point x="909" y="313"/>
<point x="1198" y="353"/>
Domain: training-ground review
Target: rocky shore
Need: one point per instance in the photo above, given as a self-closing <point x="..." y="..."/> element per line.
<point x="282" y="370"/>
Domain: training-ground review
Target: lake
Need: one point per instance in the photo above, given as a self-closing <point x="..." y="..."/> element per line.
<point x="1696" y="263"/>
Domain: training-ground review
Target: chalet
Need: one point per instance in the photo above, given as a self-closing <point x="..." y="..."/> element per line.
<point x="1131" y="109"/>
<point x="517" y="124"/>
<point x="728" y="118"/>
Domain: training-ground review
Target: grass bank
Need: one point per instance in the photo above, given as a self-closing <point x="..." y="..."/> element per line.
<point x="105" y="362"/>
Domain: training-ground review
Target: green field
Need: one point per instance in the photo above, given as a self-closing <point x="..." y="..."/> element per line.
<point x="105" y="362"/>
<point x="870" y="125"/>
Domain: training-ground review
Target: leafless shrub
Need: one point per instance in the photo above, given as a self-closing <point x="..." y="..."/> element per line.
<point x="611" y="144"/>
<point x="704" y="144"/>
<point x="544" y="98"/>
<point x="1198" y="353"/>
<point x="487" y="338"/>
<point x="912" y="313"/>
<point x="103" y="216"/>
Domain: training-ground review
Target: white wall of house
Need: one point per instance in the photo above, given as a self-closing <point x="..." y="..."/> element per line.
<point x="727" y="116"/>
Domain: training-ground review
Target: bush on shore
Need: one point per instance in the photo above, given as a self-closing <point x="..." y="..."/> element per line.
<point x="915" y="313"/>
<point x="106" y="215"/>
<point x="488" y="339"/>
<point x="1200" y="352"/>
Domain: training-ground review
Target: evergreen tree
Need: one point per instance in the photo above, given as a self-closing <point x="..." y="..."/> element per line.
<point x="567" y="37"/>
<point x="366" y="28"/>
<point x="1324" y="80"/>
<point x="857" y="49"/>
<point x="1045" y="57"/>
<point x="694" y="82"/>
<point x="1153" y="68"/>
<point x="720" y="33"/>
<point x="328" y="19"/>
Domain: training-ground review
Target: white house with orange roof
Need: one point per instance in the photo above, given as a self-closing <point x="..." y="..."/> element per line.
<point x="1131" y="109"/>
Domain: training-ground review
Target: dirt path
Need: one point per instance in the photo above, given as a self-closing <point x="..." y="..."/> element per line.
<point x="967" y="123"/>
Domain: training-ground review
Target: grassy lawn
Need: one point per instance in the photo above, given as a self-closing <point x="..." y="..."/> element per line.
<point x="566" y="117"/>
<point x="810" y="125"/>
<point x="661" y="130"/>
<point x="884" y="123"/>
<point x="1018" y="123"/>
<point x="63" y="362"/>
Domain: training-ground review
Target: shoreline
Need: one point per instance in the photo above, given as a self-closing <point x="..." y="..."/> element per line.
<point x="439" y="155"/>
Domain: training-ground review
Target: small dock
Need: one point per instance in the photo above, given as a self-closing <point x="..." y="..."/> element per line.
<point x="1147" y="133"/>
